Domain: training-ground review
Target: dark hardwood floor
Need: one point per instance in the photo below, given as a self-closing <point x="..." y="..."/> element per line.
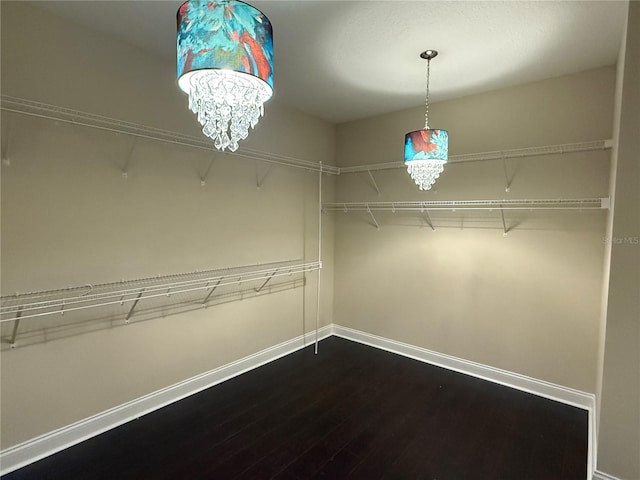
<point x="351" y="412"/>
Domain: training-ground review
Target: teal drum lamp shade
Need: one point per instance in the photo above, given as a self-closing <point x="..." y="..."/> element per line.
<point x="425" y="153"/>
<point x="225" y="65"/>
<point x="427" y="150"/>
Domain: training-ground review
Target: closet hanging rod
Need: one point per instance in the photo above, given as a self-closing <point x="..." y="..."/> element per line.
<point x="171" y="288"/>
<point x="497" y="155"/>
<point x="75" y="117"/>
<point x="521" y="204"/>
<point x="69" y="299"/>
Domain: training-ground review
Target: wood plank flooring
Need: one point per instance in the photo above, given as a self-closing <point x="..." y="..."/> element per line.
<point x="351" y="412"/>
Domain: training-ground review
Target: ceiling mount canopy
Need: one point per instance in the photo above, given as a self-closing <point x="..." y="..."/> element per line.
<point x="426" y="151"/>
<point x="429" y="54"/>
<point x="225" y="65"/>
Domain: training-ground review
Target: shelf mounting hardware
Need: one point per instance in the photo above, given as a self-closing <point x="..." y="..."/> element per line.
<point x="260" y="180"/>
<point x="373" y="182"/>
<point x="125" y="168"/>
<point x="373" y="218"/>
<point x="14" y="333"/>
<point x="134" y="306"/>
<point x="203" y="178"/>
<point x="507" y="180"/>
<point x="427" y="218"/>
<point x="504" y="223"/>
<point x="213" y="289"/>
<point x="269" y="277"/>
<point x="4" y="155"/>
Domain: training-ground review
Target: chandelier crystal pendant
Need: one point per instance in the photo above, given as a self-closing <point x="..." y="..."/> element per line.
<point x="426" y="151"/>
<point x="225" y="65"/>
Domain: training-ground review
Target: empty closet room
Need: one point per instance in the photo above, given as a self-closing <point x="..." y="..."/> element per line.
<point x="141" y="267"/>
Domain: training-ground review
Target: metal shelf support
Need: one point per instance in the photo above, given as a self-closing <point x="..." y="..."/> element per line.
<point x="507" y="180"/>
<point x="427" y="218"/>
<point x="213" y="289"/>
<point x="16" y="325"/>
<point x="504" y="223"/>
<point x="203" y="177"/>
<point x="373" y="182"/>
<point x="269" y="277"/>
<point x="260" y="179"/>
<point x="373" y="218"/>
<point x="135" y="302"/>
<point x="127" y="162"/>
<point x="4" y="154"/>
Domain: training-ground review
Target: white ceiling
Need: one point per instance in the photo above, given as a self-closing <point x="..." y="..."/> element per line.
<point x="344" y="60"/>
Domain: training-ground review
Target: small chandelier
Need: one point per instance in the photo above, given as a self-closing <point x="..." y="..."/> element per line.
<point x="426" y="150"/>
<point x="225" y="65"/>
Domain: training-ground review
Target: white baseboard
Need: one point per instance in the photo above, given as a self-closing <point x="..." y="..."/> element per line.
<point x="597" y="475"/>
<point x="492" y="374"/>
<point x="541" y="388"/>
<point x="37" y="448"/>
<point x="32" y="450"/>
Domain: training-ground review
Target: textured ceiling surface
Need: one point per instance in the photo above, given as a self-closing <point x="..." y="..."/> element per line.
<point x="344" y="60"/>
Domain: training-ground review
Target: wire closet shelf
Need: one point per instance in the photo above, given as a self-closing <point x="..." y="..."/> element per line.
<point x="22" y="306"/>
<point x="76" y="117"/>
<point x="511" y="204"/>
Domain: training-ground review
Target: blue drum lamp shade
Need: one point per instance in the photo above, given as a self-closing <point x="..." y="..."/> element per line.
<point x="427" y="150"/>
<point x="225" y="65"/>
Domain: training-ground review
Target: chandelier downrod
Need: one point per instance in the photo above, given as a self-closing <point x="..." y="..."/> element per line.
<point x="427" y="55"/>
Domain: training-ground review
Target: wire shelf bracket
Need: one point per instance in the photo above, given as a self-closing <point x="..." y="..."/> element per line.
<point x="261" y="178"/>
<point x="205" y="175"/>
<point x="505" y="230"/>
<point x="269" y="277"/>
<point x="373" y="218"/>
<point x="213" y="289"/>
<point x="127" y="162"/>
<point x="133" y="307"/>
<point x="4" y="152"/>
<point x="427" y="218"/>
<point x="373" y="182"/>
<point x="507" y="179"/>
<point x="16" y="325"/>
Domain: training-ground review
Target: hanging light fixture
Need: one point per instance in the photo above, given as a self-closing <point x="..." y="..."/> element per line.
<point x="426" y="151"/>
<point x="225" y="65"/>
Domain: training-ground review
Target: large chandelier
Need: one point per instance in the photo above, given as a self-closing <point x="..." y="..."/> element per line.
<point x="426" y="151"/>
<point x="225" y="65"/>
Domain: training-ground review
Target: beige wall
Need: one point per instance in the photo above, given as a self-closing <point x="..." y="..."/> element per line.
<point x="527" y="303"/>
<point x="619" y="432"/>
<point x="70" y="218"/>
